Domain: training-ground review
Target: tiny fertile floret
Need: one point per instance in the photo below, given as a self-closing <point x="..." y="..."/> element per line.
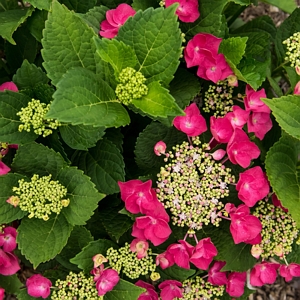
<point x="293" y="49"/>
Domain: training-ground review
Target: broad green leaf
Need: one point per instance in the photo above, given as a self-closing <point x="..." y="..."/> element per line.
<point x="286" y="110"/>
<point x="81" y="137"/>
<point x="10" y="104"/>
<point x="115" y="136"/>
<point x="144" y="4"/>
<point x="29" y="75"/>
<point x="288" y="6"/>
<point x="118" y="54"/>
<point x="292" y="76"/>
<point x="124" y="290"/>
<point x="176" y="273"/>
<point x="8" y="5"/>
<point x="41" y="240"/>
<point x="275" y="86"/>
<point x="36" y="23"/>
<point x="294" y="255"/>
<point x="82" y="194"/>
<point x="41" y="4"/>
<point x="155" y="38"/>
<point x="10" y="20"/>
<point x="283" y="174"/>
<point x="79" y="6"/>
<point x="84" y="98"/>
<point x="23" y="295"/>
<point x="38" y="159"/>
<point x="11" y="283"/>
<point x="104" y="164"/>
<point x="158" y="102"/>
<point x="84" y="259"/>
<point x="66" y="43"/>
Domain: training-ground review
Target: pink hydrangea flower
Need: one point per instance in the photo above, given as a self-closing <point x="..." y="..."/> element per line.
<point x="150" y="293"/>
<point x="181" y="253"/>
<point x="2" y="293"/>
<point x="38" y="286"/>
<point x="107" y="281"/>
<point x="4" y="169"/>
<point x="193" y="123"/>
<point x="252" y="186"/>
<point x="9" y="263"/>
<point x="160" y="148"/>
<point x="238" y="117"/>
<point x="140" y="247"/>
<point x="164" y="260"/>
<point x="203" y="254"/>
<point x="187" y="10"/>
<point x="215" y="276"/>
<point x="8" y="86"/>
<point x="259" y="123"/>
<point x="241" y="150"/>
<point x="221" y="129"/>
<point x="115" y="18"/>
<point x="252" y="100"/>
<point x="290" y="271"/>
<point x="8" y="239"/>
<point x="245" y="227"/>
<point x="236" y="284"/>
<point x="263" y="273"/>
<point x="170" y="289"/>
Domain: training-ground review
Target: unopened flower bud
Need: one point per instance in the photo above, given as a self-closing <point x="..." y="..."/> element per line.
<point x="218" y="154"/>
<point x="232" y="80"/>
<point x="160" y="148"/>
<point x="256" y="251"/>
<point x="98" y="260"/>
<point x="155" y="276"/>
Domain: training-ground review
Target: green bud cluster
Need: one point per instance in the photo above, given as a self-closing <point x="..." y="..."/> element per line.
<point x="126" y="261"/>
<point x="131" y="85"/>
<point x="293" y="49"/>
<point x="192" y="184"/>
<point x="279" y="230"/>
<point x="33" y="116"/>
<point x="75" y="287"/>
<point x="198" y="288"/>
<point x="218" y="98"/>
<point x="41" y="196"/>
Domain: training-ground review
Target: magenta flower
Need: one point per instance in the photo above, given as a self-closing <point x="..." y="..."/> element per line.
<point x="259" y="123"/>
<point x="216" y="277"/>
<point x="170" y="289"/>
<point x="4" y="169"/>
<point x="8" y="239"/>
<point x="221" y="129"/>
<point x="193" y="123"/>
<point x="181" y="253"/>
<point x="245" y="227"/>
<point x="187" y="10"/>
<point x="115" y="18"/>
<point x="297" y="88"/>
<point x="241" y="150"/>
<point x="38" y="286"/>
<point x="2" y="293"/>
<point x="276" y="202"/>
<point x="238" y="117"/>
<point x="9" y="263"/>
<point x="263" y="273"/>
<point x="236" y="284"/>
<point x="218" y="154"/>
<point x="160" y="148"/>
<point x="107" y="281"/>
<point x="150" y="293"/>
<point x="8" y="86"/>
<point x="164" y="260"/>
<point x="252" y="100"/>
<point x="290" y="271"/>
<point x="252" y="186"/>
<point x="159" y="211"/>
<point x="140" y="247"/>
<point x="203" y="254"/>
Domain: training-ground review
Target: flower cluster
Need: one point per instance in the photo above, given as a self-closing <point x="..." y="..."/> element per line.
<point x="34" y="116"/>
<point x="38" y="286"/>
<point x="187" y="10"/>
<point x="293" y="51"/>
<point x="40" y="197"/>
<point x="131" y="86"/>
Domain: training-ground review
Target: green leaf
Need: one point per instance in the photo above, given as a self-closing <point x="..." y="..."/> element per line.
<point x="81" y="137"/>
<point x="155" y="38"/>
<point x="11" y="283"/>
<point x="124" y="290"/>
<point x="9" y="213"/>
<point x="36" y="23"/>
<point x="29" y="75"/>
<point x="41" y="240"/>
<point x="288" y="6"/>
<point x="292" y="76"/>
<point x="8" y="5"/>
<point x="10" y="104"/>
<point x="84" y="98"/>
<point x="283" y="173"/>
<point x="115" y="136"/>
<point x="82" y="194"/>
<point x="10" y="20"/>
<point x="84" y="259"/>
<point x="104" y="164"/>
<point x="286" y="110"/>
<point x="144" y="4"/>
<point x="118" y="54"/>
<point x="176" y="273"/>
<point x="158" y="102"/>
<point x="23" y="295"/>
<point x="112" y="3"/>
<point x="41" y="4"/>
<point x="79" y="6"/>
<point x="67" y="34"/>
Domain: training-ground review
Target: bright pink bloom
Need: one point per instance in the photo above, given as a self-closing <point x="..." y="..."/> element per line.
<point x="38" y="286"/>
<point x="203" y="254"/>
<point x="140" y="247"/>
<point x="187" y="10"/>
<point x="150" y="228"/>
<point x="238" y="117"/>
<point x="8" y="239"/>
<point x="164" y="260"/>
<point x="245" y="227"/>
<point x="252" y="100"/>
<point x="263" y="273"/>
<point x="159" y="211"/>
<point x="236" y="284"/>
<point x="216" y="277"/>
<point x="290" y="271"/>
<point x="276" y="202"/>
<point x="230" y="208"/>
<point x="160" y="148"/>
<point x="181" y="253"/>
<point x="2" y="293"/>
<point x="218" y="154"/>
<point x="170" y="289"/>
<point x="8" y="86"/>
<point x="193" y="123"/>
<point x="4" y="169"/>
<point x="150" y="293"/>
<point x="252" y="186"/>
<point x="9" y="263"/>
<point x="259" y="123"/>
<point x="107" y="281"/>
<point x="115" y="18"/>
<point x="241" y="150"/>
<point x="221" y="129"/>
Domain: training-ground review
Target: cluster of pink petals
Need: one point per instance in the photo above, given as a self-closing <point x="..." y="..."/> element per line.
<point x="215" y="276"/>
<point x="297" y="88"/>
<point x="236" y="284"/>
<point x="252" y="186"/>
<point x="2" y="293"/>
<point x="9" y="85"/>
<point x="202" y="51"/>
<point x="38" y="286"/>
<point x="263" y="273"/>
<point x="115" y="18"/>
<point x="187" y="10"/>
<point x="150" y="293"/>
<point x="290" y="271"/>
<point x="160" y="148"/>
<point x="193" y="123"/>
<point x="140" y="247"/>
<point x="170" y="289"/>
